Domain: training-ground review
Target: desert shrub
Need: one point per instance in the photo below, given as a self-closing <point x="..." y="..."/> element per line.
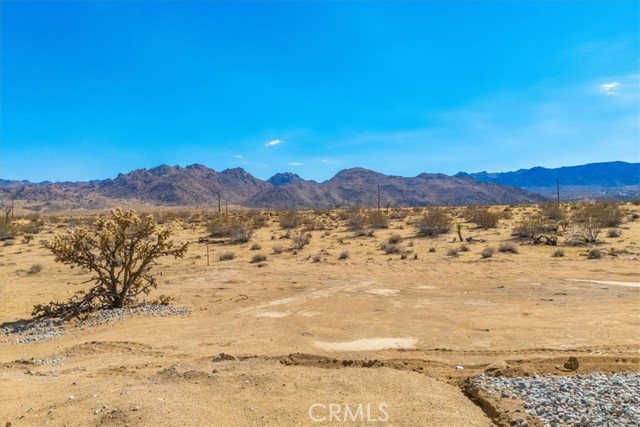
<point x="226" y="256"/>
<point x="482" y="216"/>
<point x="463" y="248"/>
<point x="613" y="232"/>
<point x="255" y="247"/>
<point x="434" y="222"/>
<point x="377" y="219"/>
<point x="290" y="219"/>
<point x="398" y="214"/>
<point x="594" y="253"/>
<point x="300" y="239"/>
<point x="390" y="248"/>
<point x="487" y="252"/>
<point x="277" y="249"/>
<point x="558" y="253"/>
<point x="258" y="258"/>
<point x="356" y="223"/>
<point x="343" y="255"/>
<point x="317" y="258"/>
<point x="634" y="216"/>
<point x="395" y="238"/>
<point x="598" y="214"/>
<point x="452" y="252"/>
<point x="508" y="247"/>
<point x="536" y="228"/>
<point x="552" y="211"/>
<point x="35" y="269"/>
<point x="120" y="250"/>
<point x="431" y="250"/>
<point x="237" y="229"/>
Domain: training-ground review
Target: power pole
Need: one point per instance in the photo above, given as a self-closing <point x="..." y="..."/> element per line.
<point x="219" y="205"/>
<point x="558" y="190"/>
<point x="378" y="196"/>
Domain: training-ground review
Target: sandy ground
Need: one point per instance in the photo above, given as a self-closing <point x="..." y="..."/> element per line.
<point x="315" y="341"/>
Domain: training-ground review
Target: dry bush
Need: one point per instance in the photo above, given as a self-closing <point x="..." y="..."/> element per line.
<point x="300" y="239"/>
<point x="290" y="219"/>
<point x="390" y="248"/>
<point x="277" y="249"/>
<point x="343" y="255"/>
<point x="226" y="256"/>
<point x="395" y="238"/>
<point x="599" y="214"/>
<point x="595" y="253"/>
<point x="613" y="232"/>
<point x="435" y="222"/>
<point x="558" y="253"/>
<point x="377" y="219"/>
<point x="258" y="258"/>
<point x="463" y="248"/>
<point x="120" y="250"/>
<point x="35" y="269"/>
<point x="255" y="247"/>
<point x="237" y="229"/>
<point x="482" y="216"/>
<point x="508" y="247"/>
<point x="552" y="211"/>
<point x="487" y="252"/>
<point x="452" y="252"/>
<point x="536" y="228"/>
<point x="317" y="258"/>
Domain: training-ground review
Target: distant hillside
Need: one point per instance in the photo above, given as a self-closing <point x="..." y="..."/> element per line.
<point x="610" y="174"/>
<point x="199" y="185"/>
<point x="616" y="180"/>
<point x="192" y="185"/>
<point x="359" y="187"/>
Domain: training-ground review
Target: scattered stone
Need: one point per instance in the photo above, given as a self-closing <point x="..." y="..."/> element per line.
<point x="573" y="401"/>
<point x="223" y="356"/>
<point x="572" y="364"/>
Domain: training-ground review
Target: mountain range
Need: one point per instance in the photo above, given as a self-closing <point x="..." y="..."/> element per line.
<point x="199" y="185"/>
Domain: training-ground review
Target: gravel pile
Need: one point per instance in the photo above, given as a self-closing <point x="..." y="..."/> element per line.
<point x="29" y="332"/>
<point x="154" y="310"/>
<point x="582" y="400"/>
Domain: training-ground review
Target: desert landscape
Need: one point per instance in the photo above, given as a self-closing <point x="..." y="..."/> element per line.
<point x="351" y="317"/>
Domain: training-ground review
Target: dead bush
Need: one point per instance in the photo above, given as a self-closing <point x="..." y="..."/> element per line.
<point x="290" y="219"/>
<point x="435" y="222"/>
<point x="300" y="239"/>
<point x="226" y="256"/>
<point x="395" y="238"/>
<point x="595" y="253"/>
<point x="487" y="252"/>
<point x="258" y="258"/>
<point x="482" y="216"/>
<point x="377" y="219"/>
<point x="236" y="229"/>
<point x="508" y="247"/>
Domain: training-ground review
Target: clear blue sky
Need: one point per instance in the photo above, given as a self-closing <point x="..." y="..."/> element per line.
<point x="90" y="88"/>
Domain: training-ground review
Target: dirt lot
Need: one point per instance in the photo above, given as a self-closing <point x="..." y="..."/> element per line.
<point x="393" y="334"/>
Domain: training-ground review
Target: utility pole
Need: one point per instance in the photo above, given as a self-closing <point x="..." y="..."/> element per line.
<point x="219" y="205"/>
<point x="378" y="196"/>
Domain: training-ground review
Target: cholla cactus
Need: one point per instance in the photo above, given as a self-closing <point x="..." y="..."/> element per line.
<point x="120" y="251"/>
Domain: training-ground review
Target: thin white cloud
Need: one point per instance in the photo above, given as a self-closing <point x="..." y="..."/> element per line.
<point x="273" y="143"/>
<point x="325" y="160"/>
<point x="239" y="157"/>
<point x="295" y="164"/>
<point x="610" y="88"/>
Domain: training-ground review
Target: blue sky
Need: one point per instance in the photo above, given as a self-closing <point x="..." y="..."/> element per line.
<point x="90" y="88"/>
